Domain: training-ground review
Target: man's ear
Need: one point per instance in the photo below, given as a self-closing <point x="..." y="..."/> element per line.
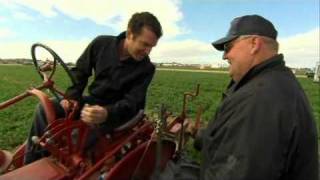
<point x="255" y="45"/>
<point x="129" y="34"/>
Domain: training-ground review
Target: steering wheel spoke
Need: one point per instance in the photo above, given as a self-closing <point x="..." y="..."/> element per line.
<point x="48" y="68"/>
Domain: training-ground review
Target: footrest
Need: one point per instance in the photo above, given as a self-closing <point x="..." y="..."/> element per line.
<point x="43" y="169"/>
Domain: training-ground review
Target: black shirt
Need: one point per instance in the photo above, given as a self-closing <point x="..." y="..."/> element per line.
<point x="121" y="86"/>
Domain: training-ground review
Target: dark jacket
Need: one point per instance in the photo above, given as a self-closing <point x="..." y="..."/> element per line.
<point x="263" y="129"/>
<point x="121" y="86"/>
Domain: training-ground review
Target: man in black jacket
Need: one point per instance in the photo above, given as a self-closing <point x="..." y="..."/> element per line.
<point x="264" y="128"/>
<point x="122" y="74"/>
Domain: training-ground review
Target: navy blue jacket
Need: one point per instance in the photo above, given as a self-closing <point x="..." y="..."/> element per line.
<point x="263" y="129"/>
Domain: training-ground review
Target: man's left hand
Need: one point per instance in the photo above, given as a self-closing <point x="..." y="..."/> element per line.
<point x="93" y="114"/>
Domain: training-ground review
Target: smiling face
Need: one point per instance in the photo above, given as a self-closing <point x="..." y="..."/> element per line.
<point x="140" y="45"/>
<point x="246" y="52"/>
<point x="239" y="55"/>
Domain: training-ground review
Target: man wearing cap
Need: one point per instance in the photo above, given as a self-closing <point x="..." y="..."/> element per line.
<point x="263" y="129"/>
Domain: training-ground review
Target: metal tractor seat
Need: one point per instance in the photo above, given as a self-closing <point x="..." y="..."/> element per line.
<point x="132" y="122"/>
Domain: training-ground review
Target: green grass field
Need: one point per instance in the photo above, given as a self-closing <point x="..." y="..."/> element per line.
<point x="167" y="88"/>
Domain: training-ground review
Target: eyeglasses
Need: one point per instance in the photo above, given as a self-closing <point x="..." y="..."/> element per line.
<point x="228" y="46"/>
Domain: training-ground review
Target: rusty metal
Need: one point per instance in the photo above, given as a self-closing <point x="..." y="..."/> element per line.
<point x="46" y="104"/>
<point x="182" y="117"/>
<point x="185" y="96"/>
<point x="71" y="161"/>
<point x="5" y="159"/>
<point x="100" y="163"/>
<point x="44" y="169"/>
<point x="198" y="119"/>
<point x="47" y="84"/>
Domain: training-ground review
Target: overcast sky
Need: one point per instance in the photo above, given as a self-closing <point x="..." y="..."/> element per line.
<point x="189" y="26"/>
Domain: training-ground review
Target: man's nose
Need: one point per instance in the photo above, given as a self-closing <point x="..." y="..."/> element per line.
<point x="224" y="56"/>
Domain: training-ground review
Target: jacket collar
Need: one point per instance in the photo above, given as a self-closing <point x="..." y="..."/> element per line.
<point x="121" y="36"/>
<point x="276" y="60"/>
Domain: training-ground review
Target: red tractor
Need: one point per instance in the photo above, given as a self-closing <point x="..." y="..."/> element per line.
<point x="138" y="149"/>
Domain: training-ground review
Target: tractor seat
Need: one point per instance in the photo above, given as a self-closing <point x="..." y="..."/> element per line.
<point x="132" y="122"/>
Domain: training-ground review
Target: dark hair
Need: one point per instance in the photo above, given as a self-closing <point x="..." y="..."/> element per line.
<point x="139" y="20"/>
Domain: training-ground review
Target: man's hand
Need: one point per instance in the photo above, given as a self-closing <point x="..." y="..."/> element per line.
<point x="66" y="104"/>
<point x="94" y="114"/>
<point x="47" y="66"/>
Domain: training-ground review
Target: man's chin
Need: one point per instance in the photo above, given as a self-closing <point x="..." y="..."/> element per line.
<point x="230" y="73"/>
<point x="138" y="58"/>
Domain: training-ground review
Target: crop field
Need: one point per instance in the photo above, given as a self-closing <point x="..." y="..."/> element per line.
<point x="167" y="88"/>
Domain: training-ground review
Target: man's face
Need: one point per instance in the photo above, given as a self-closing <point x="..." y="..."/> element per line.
<point x="239" y="56"/>
<point x="140" y="45"/>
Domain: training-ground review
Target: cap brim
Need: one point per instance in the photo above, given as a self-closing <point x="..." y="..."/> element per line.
<point x="218" y="44"/>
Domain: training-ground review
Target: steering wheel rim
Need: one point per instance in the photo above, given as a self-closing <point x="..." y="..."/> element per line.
<point x="56" y="59"/>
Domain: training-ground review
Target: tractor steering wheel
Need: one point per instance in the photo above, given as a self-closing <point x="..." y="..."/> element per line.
<point x="56" y="58"/>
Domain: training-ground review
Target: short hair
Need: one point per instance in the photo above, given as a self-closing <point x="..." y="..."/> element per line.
<point x="142" y="19"/>
<point x="271" y="44"/>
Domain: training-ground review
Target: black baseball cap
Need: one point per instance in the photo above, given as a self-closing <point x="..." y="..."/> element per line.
<point x="247" y="25"/>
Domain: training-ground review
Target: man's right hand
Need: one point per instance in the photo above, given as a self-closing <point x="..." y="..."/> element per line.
<point x="94" y="114"/>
